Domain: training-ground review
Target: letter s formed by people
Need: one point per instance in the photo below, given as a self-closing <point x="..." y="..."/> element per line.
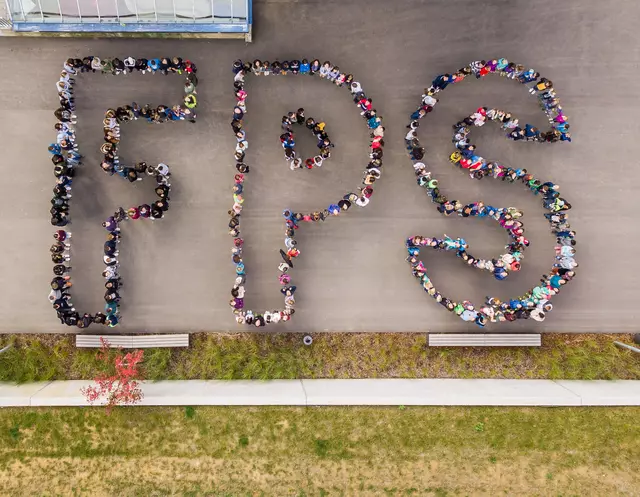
<point x="293" y="220"/>
<point x="66" y="158"/>
<point x="535" y="303"/>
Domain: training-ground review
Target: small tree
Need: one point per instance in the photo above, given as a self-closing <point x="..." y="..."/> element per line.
<point x="119" y="384"/>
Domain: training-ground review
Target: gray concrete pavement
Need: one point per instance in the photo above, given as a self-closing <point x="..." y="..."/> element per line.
<point x="351" y="274"/>
<point x="364" y="392"/>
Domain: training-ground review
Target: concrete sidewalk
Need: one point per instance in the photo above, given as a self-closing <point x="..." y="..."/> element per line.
<point x="393" y="392"/>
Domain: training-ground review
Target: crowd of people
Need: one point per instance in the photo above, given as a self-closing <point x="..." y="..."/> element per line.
<point x="535" y="303"/>
<point x="293" y="220"/>
<point x="288" y="140"/>
<point x="66" y="159"/>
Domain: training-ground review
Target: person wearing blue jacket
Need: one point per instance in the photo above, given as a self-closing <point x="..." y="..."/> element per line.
<point x="55" y="149"/>
<point x="442" y="81"/>
<point x="531" y="132"/>
<point x="154" y="65"/>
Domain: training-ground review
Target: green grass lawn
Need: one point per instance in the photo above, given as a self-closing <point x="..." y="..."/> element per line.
<point x="282" y="451"/>
<point x="332" y="355"/>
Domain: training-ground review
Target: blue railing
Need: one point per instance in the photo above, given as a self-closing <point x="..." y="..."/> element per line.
<point x="155" y="16"/>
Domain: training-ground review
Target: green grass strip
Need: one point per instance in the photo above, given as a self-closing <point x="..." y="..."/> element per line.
<point x="332" y="355"/>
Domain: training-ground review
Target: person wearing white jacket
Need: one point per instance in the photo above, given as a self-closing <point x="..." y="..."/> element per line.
<point x="129" y="63"/>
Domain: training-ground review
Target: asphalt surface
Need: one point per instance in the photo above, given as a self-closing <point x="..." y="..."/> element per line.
<point x="351" y="275"/>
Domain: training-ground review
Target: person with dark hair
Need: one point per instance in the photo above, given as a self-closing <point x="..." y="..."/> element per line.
<point x="112" y="320"/>
<point x="119" y="66"/>
<point x="237" y="66"/>
<point x="65" y="116"/>
<point x="256" y="67"/>
<point x="145" y="210"/>
<point x="60" y="220"/>
<point x="86" y="320"/>
<point x="58" y="248"/>
<point x="110" y="224"/>
<point x="99" y="318"/>
<point x="442" y="81"/>
<point x="111" y="248"/>
<point x="71" y="318"/>
<point x="111" y="296"/>
<point x="85" y="65"/>
<point x="61" y="269"/>
<point x="156" y="212"/>
<point x="417" y="153"/>
<point x="153" y="65"/>
<point x="142" y="65"/>
<point x="190" y="67"/>
<point x="325" y="69"/>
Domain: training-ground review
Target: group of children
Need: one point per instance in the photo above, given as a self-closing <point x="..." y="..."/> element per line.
<point x="115" y="66"/>
<point x="66" y="157"/>
<point x="293" y="219"/>
<point x="326" y="70"/>
<point x="287" y="139"/>
<point x="535" y="303"/>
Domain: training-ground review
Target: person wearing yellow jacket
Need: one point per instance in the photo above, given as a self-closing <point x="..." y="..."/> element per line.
<point x="190" y="101"/>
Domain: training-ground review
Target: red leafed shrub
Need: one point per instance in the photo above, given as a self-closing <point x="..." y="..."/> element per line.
<point x="119" y="384"/>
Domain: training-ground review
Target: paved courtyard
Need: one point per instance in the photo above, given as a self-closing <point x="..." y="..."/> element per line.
<point x="351" y="275"/>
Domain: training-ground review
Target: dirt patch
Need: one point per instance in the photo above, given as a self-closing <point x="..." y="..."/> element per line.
<point x="204" y="475"/>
